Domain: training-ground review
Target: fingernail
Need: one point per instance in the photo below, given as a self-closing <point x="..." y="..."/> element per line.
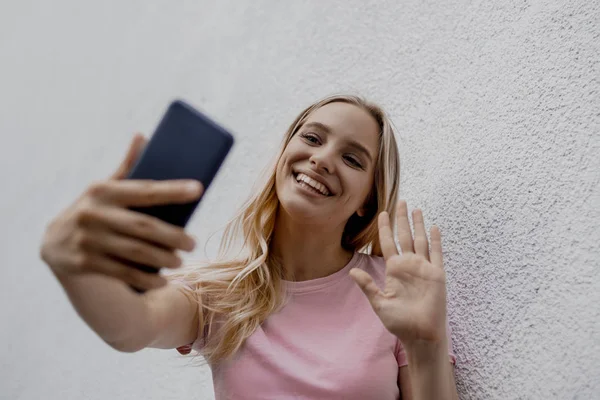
<point x="192" y="187"/>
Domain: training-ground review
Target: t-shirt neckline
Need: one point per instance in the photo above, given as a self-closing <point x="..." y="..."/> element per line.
<point x="319" y="283"/>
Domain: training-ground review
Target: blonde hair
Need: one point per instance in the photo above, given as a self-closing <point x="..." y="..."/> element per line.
<point x="241" y="292"/>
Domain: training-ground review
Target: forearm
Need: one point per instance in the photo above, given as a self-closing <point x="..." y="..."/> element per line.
<point x="431" y="373"/>
<point x="118" y="315"/>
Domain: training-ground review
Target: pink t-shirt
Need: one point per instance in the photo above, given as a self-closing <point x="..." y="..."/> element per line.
<point x="326" y="343"/>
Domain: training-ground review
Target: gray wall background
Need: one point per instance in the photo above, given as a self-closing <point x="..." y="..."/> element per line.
<point x="497" y="106"/>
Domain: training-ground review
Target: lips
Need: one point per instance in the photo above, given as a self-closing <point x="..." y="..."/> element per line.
<point x="313" y="182"/>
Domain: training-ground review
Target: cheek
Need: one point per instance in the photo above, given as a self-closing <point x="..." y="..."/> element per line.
<point x="290" y="155"/>
<point x="290" y="151"/>
<point x="359" y="186"/>
<point x="282" y="163"/>
<point x="280" y="172"/>
<point x="359" y="182"/>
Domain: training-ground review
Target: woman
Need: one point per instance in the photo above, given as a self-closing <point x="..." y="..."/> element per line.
<point x="317" y="305"/>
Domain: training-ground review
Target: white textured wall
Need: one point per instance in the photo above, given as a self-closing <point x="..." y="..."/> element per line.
<point x="497" y="106"/>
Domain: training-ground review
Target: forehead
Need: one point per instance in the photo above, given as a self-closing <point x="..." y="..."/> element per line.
<point x="348" y="121"/>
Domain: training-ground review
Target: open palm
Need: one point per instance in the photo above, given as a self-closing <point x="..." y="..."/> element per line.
<point x="412" y="305"/>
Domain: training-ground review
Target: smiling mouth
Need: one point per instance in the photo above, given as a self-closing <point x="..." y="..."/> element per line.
<point x="310" y="184"/>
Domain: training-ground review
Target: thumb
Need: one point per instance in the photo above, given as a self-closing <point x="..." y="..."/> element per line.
<point x="135" y="148"/>
<point x="368" y="286"/>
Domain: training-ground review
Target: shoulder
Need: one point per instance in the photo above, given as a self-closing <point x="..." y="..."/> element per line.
<point x="373" y="265"/>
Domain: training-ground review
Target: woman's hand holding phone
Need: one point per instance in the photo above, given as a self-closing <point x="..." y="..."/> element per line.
<point x="100" y="234"/>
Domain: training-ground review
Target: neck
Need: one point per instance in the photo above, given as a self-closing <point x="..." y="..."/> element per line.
<point x="307" y="251"/>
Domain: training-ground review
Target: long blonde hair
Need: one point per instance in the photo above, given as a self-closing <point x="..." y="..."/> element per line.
<point x="241" y="292"/>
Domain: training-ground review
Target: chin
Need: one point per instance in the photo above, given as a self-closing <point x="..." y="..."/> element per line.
<point x="300" y="212"/>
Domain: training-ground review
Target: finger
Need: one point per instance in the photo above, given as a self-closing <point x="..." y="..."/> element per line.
<point x="139" y="226"/>
<point x="129" y="249"/>
<point x="143" y="193"/>
<point x="135" y="148"/>
<point x="368" y="286"/>
<point x="436" y="247"/>
<point x="386" y="236"/>
<point x="420" y="242"/>
<point x="404" y="234"/>
<point x="125" y="273"/>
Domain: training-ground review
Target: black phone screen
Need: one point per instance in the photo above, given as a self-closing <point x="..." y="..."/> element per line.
<point x="185" y="145"/>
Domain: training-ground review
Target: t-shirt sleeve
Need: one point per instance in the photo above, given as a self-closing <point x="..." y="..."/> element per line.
<point x="401" y="354"/>
<point x="189" y="290"/>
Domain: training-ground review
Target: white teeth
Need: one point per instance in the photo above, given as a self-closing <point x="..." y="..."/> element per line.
<point x="312" y="183"/>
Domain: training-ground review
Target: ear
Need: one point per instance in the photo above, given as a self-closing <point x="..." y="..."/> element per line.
<point x="361" y="212"/>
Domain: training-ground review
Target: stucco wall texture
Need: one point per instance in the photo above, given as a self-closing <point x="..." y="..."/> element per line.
<point x="497" y="107"/>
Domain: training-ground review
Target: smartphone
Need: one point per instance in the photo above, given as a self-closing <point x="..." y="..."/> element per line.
<point x="185" y="145"/>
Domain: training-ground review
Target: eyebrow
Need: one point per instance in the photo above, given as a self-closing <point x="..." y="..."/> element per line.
<point x="352" y="143"/>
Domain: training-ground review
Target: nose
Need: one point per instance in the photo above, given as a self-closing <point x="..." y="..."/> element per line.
<point x="321" y="160"/>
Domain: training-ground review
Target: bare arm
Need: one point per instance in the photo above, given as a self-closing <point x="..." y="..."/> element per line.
<point x="165" y="318"/>
<point x="406" y="385"/>
<point x="428" y="375"/>
<point x="175" y="317"/>
<point x="92" y="246"/>
<point x="412" y="305"/>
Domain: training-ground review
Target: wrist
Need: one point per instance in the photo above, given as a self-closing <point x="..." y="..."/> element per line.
<point x="63" y="277"/>
<point x="421" y="352"/>
<point x="430" y="370"/>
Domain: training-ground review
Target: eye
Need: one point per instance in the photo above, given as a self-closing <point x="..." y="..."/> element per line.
<point x="311" y="137"/>
<point x="353" y="161"/>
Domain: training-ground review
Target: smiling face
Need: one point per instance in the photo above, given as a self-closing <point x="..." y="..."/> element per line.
<point x="325" y="173"/>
